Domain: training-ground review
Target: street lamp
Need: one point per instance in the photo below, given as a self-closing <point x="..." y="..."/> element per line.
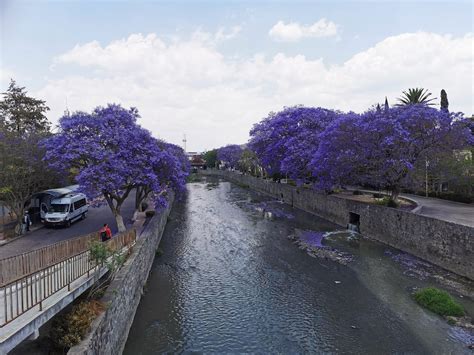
<point x="427" y="164"/>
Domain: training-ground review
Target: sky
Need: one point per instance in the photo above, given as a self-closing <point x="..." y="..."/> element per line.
<point x="211" y="69"/>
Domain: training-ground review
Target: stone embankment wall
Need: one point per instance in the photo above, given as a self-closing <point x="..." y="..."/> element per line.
<point x="110" y="330"/>
<point x="445" y="244"/>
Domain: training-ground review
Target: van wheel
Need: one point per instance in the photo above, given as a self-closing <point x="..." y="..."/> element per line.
<point x="83" y="216"/>
<point x="68" y="223"/>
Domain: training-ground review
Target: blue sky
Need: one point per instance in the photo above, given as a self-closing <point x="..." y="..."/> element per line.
<point x="35" y="34"/>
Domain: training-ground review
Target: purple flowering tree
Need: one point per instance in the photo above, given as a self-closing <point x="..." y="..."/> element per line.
<point x="230" y="155"/>
<point x="112" y="155"/>
<point x="286" y="141"/>
<point x="380" y="149"/>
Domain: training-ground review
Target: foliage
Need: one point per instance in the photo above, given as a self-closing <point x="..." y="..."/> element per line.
<point x="444" y="100"/>
<point x="416" y="96"/>
<point x="22" y="170"/>
<point x="21" y="114"/>
<point x="101" y="254"/>
<point x="387" y="201"/>
<point x="230" y="155"/>
<point x="285" y="142"/>
<point x="114" y="155"/>
<point x="439" y="302"/>
<point x="381" y="149"/>
<point x="210" y="157"/>
<point x="248" y="162"/>
<point x="69" y="329"/>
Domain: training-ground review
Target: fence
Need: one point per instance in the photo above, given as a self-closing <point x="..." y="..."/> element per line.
<point x="27" y="292"/>
<point x="20" y="265"/>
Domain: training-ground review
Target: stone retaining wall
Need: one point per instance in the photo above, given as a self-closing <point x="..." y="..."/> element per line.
<point x="110" y="330"/>
<point x="445" y="244"/>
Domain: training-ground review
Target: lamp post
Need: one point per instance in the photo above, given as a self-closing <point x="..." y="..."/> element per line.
<point x="427" y="164"/>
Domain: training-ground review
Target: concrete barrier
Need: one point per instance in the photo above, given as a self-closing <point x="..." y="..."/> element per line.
<point x="109" y="331"/>
<point x="448" y="245"/>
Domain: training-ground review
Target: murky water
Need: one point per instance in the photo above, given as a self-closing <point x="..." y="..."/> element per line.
<point x="230" y="281"/>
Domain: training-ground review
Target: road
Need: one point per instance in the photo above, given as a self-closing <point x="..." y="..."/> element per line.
<point x="96" y="218"/>
<point x="445" y="210"/>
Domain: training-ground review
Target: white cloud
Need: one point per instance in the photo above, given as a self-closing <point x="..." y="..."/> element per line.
<point x="189" y="86"/>
<point x="293" y="31"/>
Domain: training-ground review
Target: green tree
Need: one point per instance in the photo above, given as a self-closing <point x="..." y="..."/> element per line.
<point x="211" y="158"/>
<point x="248" y="162"/>
<point x="416" y="96"/>
<point x="21" y="114"/>
<point x="22" y="170"/>
<point x="444" y="100"/>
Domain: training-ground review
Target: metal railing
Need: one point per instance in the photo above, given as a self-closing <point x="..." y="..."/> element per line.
<point x="16" y="266"/>
<point x="27" y="292"/>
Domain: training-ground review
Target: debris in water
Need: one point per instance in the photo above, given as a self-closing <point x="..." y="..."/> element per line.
<point x="311" y="242"/>
<point x="337" y="282"/>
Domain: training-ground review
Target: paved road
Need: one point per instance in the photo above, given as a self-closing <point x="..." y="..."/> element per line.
<point x="445" y="210"/>
<point x="96" y="217"/>
<point x="450" y="211"/>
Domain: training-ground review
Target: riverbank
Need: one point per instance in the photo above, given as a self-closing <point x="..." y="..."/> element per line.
<point x="109" y="331"/>
<point x="445" y="244"/>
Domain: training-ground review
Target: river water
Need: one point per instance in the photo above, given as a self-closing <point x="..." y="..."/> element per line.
<point x="230" y="281"/>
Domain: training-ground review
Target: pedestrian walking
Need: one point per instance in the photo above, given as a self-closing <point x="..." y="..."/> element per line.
<point x="105" y="233"/>
<point x="26" y="221"/>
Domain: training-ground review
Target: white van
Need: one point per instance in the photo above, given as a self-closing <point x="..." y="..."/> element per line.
<point x="67" y="209"/>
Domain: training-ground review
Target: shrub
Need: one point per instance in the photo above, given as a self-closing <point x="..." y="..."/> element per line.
<point x="378" y="195"/>
<point x="69" y="329"/>
<point x="357" y="192"/>
<point x="387" y="202"/>
<point x="439" y="302"/>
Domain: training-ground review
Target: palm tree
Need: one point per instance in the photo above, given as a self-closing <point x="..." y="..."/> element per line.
<point x="416" y="96"/>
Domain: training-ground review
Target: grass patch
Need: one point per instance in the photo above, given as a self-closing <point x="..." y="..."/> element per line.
<point x="69" y="329"/>
<point x="439" y="302"/>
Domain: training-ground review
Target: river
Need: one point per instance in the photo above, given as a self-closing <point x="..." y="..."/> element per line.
<point x="230" y="281"/>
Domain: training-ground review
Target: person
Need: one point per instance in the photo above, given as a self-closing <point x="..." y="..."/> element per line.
<point x="105" y="233"/>
<point x="26" y="221"/>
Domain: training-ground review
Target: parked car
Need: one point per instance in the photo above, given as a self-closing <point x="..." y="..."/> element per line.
<point x="67" y="209"/>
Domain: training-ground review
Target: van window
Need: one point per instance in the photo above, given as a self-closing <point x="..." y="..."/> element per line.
<point x="80" y="203"/>
<point x="71" y="207"/>
<point x="56" y="207"/>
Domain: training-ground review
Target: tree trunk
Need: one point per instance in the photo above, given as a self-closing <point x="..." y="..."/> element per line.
<point x="395" y="193"/>
<point x="120" y="224"/>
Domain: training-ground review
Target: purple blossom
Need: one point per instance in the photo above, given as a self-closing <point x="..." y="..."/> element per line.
<point x="230" y="155"/>
<point x="112" y="155"/>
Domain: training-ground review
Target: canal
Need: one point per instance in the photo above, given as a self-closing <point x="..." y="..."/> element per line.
<point x="230" y="281"/>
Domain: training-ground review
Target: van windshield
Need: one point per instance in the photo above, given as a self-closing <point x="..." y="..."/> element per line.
<point x="58" y="208"/>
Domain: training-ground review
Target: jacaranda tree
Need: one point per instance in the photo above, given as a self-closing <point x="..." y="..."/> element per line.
<point x="285" y="142"/>
<point x="171" y="167"/>
<point x="230" y="155"/>
<point x="380" y="149"/>
<point x="112" y="154"/>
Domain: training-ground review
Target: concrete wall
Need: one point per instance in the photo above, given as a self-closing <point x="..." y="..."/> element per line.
<point x="445" y="244"/>
<point x="110" y="330"/>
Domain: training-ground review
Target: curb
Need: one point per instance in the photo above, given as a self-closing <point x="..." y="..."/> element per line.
<point x="8" y="241"/>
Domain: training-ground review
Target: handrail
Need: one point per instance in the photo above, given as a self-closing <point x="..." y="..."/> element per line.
<point x="54" y="244"/>
<point x="25" y="263"/>
<point x="27" y="292"/>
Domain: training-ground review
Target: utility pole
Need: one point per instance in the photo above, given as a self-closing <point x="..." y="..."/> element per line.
<point x="427" y="164"/>
<point x="184" y="143"/>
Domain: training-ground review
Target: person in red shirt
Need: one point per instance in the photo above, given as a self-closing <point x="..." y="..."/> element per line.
<point x="105" y="233"/>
